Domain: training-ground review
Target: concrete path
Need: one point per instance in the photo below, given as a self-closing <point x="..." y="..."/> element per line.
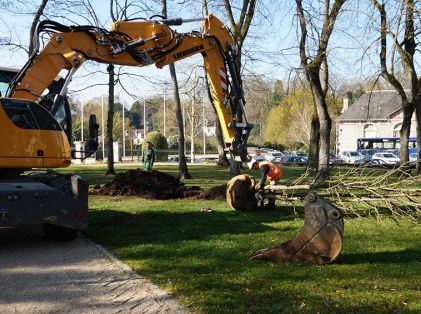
<point x="38" y="276"/>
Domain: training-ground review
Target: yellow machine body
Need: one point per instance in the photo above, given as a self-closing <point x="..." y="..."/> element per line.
<point x="24" y="143"/>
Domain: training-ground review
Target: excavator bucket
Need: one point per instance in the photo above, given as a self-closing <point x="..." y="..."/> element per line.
<point x="319" y="241"/>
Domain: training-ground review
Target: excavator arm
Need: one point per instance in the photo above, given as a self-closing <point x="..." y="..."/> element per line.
<point x="133" y="43"/>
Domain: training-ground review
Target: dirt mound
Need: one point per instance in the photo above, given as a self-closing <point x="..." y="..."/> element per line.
<point x="213" y="193"/>
<point x="153" y="184"/>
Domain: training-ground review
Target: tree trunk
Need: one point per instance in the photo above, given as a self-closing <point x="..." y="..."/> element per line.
<point x="313" y="155"/>
<point x="418" y="114"/>
<point x="235" y="166"/>
<point x="110" y="117"/>
<point x="182" y="164"/>
<point x="325" y="129"/>
<point x="223" y="160"/>
<point x="404" y="133"/>
<point x="317" y="74"/>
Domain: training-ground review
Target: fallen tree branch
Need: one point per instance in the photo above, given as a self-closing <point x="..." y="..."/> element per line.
<point x="360" y="192"/>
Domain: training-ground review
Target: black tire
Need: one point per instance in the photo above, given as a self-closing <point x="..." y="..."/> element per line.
<point x="59" y="233"/>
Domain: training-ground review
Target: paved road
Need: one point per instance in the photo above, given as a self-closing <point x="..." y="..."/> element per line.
<point x="38" y="276"/>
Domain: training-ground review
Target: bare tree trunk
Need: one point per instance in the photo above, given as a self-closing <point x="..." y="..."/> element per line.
<point x="325" y="129"/>
<point x="316" y="71"/>
<point x="110" y="117"/>
<point x="418" y="114"/>
<point x="182" y="164"/>
<point x="313" y="155"/>
<point x="34" y="24"/>
<point x="220" y="143"/>
<point x="404" y="134"/>
<point x="406" y="48"/>
<point x="223" y="160"/>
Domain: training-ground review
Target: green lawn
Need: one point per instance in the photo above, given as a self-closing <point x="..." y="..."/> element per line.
<point x="202" y="258"/>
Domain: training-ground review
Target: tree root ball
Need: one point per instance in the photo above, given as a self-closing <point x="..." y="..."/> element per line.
<point x="240" y="193"/>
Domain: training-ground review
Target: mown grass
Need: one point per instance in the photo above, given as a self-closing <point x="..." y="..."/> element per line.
<point x="202" y="258"/>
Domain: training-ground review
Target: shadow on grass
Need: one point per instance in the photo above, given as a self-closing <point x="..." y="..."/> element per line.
<point x="204" y="257"/>
<point x="164" y="227"/>
<point x="401" y="257"/>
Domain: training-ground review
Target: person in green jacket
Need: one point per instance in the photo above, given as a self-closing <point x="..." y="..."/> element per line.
<point x="148" y="156"/>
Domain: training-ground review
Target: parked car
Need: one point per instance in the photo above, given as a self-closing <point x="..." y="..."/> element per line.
<point x="297" y="153"/>
<point x="294" y="161"/>
<point x="368" y="153"/>
<point x="377" y="163"/>
<point x="352" y="157"/>
<point x="390" y="158"/>
<point x="335" y="160"/>
<point x="274" y="156"/>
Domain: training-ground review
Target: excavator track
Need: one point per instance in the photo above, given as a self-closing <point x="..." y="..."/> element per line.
<point x="320" y="239"/>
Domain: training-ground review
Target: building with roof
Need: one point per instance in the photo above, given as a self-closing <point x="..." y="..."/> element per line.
<point x="374" y="114"/>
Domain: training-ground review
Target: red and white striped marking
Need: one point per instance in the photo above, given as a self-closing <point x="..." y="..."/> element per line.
<point x="224" y="81"/>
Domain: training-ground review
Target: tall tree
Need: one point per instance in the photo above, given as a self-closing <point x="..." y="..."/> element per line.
<point x="289" y="123"/>
<point x="116" y="12"/>
<point x="316" y="72"/>
<point x="182" y="163"/>
<point x="403" y="35"/>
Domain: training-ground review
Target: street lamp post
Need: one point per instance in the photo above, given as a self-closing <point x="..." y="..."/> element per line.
<point x="165" y="116"/>
<point x="131" y="143"/>
<point x="81" y="120"/>
<point x="203" y="128"/>
<point x="124" y="136"/>
<point x="102" y="127"/>
<point x="144" y="116"/>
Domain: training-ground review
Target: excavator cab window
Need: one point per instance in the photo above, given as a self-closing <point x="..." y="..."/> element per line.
<point x="6" y="75"/>
<point x="27" y="115"/>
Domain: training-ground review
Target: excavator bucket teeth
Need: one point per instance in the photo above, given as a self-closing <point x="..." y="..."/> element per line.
<point x="240" y="193"/>
<point x="319" y="241"/>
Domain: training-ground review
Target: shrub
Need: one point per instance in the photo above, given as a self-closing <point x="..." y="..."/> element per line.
<point x="159" y="143"/>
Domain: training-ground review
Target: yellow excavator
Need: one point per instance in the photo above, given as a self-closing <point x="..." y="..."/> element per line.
<point x="35" y="118"/>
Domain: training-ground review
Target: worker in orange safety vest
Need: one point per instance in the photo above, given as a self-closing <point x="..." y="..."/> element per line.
<point x="269" y="171"/>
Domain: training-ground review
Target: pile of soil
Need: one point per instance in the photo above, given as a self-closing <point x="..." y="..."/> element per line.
<point x="153" y="184"/>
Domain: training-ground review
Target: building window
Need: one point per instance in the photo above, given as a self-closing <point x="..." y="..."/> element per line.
<point x="369" y="130"/>
<point x="397" y="129"/>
